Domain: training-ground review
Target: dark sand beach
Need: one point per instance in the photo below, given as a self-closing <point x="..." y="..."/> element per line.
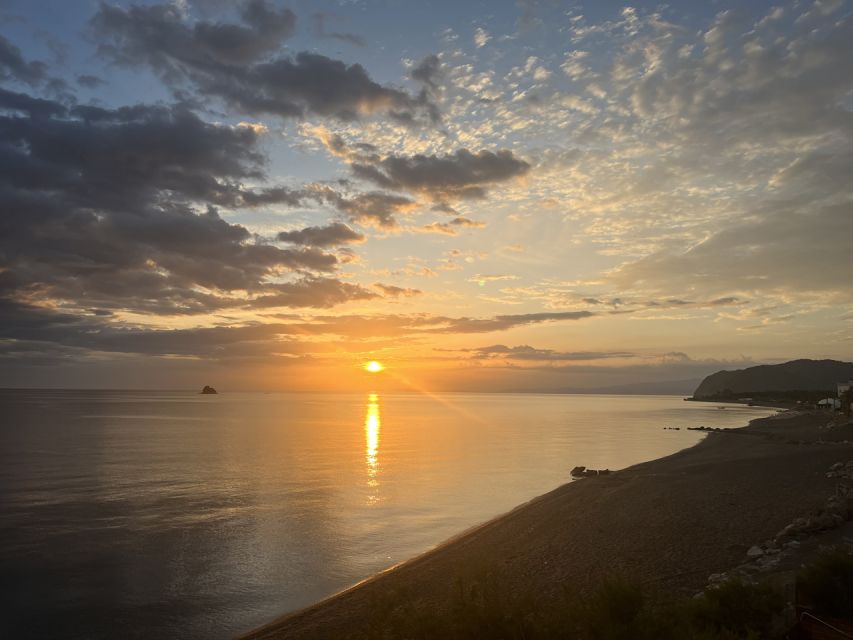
<point x="668" y="523"/>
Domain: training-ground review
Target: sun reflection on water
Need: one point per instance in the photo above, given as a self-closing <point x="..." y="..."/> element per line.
<point x="372" y="423"/>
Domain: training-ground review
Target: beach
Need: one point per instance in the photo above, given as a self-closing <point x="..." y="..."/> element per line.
<point x="669" y="523"/>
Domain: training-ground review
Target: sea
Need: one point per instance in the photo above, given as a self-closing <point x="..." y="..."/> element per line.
<point x="141" y="514"/>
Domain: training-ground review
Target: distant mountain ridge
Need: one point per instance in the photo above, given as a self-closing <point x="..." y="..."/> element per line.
<point x="796" y="375"/>
<point x="662" y="387"/>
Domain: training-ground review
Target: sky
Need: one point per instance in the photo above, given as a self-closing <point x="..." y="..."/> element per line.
<point x="483" y="196"/>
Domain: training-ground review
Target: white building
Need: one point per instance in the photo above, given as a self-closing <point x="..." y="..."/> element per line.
<point x="844" y="387"/>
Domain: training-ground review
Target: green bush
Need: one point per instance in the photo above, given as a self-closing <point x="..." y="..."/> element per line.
<point x="622" y="610"/>
<point x="483" y="608"/>
<point x="827" y="584"/>
<point x="488" y="609"/>
<point x="738" y="609"/>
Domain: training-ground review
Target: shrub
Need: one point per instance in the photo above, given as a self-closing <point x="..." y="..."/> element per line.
<point x="739" y="609"/>
<point x="488" y="609"/>
<point x="621" y="610"/>
<point x="827" y="584"/>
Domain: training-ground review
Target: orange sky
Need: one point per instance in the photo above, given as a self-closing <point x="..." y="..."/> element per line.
<point x="581" y="199"/>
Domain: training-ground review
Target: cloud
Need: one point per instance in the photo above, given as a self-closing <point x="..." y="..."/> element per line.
<point x="482" y="279"/>
<point x="785" y="252"/>
<point x="780" y="87"/>
<point x="312" y="292"/>
<point x="504" y="322"/>
<point x="526" y="352"/>
<point x="117" y="209"/>
<point x="428" y="71"/>
<point x="54" y="335"/>
<point x="159" y="35"/>
<point x="463" y="174"/>
<point x="14" y="66"/>
<point x="451" y="228"/>
<point x="90" y="81"/>
<point x="481" y="37"/>
<point x="391" y="291"/>
<point x="331" y="235"/>
<point x="373" y="208"/>
<point x="33" y="107"/>
<point x="390" y="326"/>
<point x="320" y="18"/>
<point x="574" y="66"/>
<point x="728" y="174"/>
<point x="236" y="63"/>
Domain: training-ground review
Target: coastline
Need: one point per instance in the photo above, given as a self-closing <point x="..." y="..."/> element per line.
<point x="689" y="515"/>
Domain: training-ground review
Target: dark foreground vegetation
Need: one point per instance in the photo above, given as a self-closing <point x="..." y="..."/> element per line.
<point x="620" y="610"/>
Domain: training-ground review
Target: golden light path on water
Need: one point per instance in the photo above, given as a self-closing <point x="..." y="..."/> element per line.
<point x="372" y="423"/>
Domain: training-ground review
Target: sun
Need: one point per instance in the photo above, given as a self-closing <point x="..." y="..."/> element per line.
<point x="373" y="366"/>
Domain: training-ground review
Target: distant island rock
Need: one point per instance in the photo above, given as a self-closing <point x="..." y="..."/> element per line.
<point x="208" y="391"/>
<point x="789" y="378"/>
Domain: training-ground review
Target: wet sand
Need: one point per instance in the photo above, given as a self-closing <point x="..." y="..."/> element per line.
<point x="670" y="522"/>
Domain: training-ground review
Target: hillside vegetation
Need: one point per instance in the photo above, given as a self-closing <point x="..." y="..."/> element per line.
<point x="803" y="377"/>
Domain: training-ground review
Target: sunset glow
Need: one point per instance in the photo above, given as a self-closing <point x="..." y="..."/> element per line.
<point x="292" y="291"/>
<point x="567" y="197"/>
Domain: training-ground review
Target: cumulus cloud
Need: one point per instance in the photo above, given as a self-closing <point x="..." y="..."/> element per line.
<point x="159" y="35"/>
<point x="428" y="71"/>
<point x="13" y="65"/>
<point x="33" y="107"/>
<point x="332" y="235"/>
<point x="374" y="208"/>
<point x="703" y="171"/>
<point x="463" y="174"/>
<point x="237" y="63"/>
<point x="118" y="209"/>
<point x="313" y="292"/>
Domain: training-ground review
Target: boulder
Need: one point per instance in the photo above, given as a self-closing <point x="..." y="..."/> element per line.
<point x="208" y="391"/>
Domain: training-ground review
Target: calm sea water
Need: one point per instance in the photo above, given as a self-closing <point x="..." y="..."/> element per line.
<point x="175" y="515"/>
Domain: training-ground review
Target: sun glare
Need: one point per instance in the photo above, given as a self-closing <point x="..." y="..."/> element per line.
<point x="373" y="367"/>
